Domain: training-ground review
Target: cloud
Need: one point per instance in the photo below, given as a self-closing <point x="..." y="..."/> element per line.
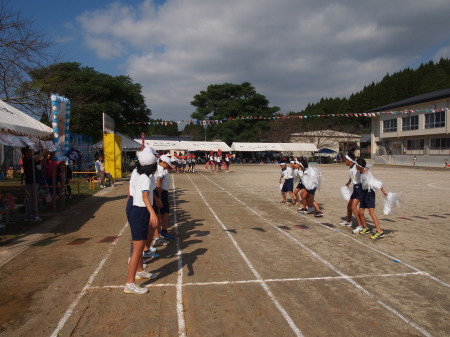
<point x="293" y="51"/>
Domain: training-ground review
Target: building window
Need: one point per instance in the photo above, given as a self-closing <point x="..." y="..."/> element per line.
<point x="415" y="144"/>
<point x="435" y="120"/>
<point x="410" y="123"/>
<point x="390" y="125"/>
<point x="440" y="143"/>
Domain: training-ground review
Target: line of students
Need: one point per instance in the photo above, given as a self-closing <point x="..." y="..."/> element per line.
<point x="148" y="214"/>
<point x="215" y="161"/>
<point x="181" y="161"/>
<point x="309" y="179"/>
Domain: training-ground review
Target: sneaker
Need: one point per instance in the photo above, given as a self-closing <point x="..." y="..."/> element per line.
<point x="377" y="235"/>
<point x="133" y="288"/>
<point x="345" y="223"/>
<point x="310" y="210"/>
<point x="302" y="210"/>
<point x="365" y="230"/>
<point x="357" y="229"/>
<point x="318" y="214"/>
<point x="145" y="275"/>
<point x="160" y="242"/>
<point x="102" y="186"/>
<point x="149" y="253"/>
<point x="167" y="236"/>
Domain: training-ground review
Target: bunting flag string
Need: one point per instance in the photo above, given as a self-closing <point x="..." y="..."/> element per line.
<point x="347" y="115"/>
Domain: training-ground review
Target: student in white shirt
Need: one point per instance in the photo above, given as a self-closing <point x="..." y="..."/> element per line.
<point x="355" y="198"/>
<point x="288" y="184"/>
<point x="140" y="216"/>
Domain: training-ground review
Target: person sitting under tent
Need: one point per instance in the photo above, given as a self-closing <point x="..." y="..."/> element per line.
<point x="101" y="173"/>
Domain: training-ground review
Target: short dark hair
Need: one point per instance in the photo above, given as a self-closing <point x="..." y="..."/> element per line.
<point x="147" y="169"/>
<point x="361" y="162"/>
<point x="351" y="155"/>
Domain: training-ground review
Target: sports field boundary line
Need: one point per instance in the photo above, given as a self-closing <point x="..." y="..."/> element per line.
<point x="290" y="279"/>
<point x="269" y="293"/>
<point x="180" y="309"/>
<point x="84" y="290"/>
<point x="328" y="264"/>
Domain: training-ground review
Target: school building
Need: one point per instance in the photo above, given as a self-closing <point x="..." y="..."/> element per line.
<point x="414" y="127"/>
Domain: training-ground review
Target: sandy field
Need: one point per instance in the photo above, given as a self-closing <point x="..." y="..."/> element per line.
<point x="242" y="264"/>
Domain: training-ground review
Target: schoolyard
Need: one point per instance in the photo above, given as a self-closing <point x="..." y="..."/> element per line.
<point x="242" y="264"/>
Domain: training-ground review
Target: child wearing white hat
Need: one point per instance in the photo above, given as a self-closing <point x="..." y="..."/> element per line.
<point x="140" y="216"/>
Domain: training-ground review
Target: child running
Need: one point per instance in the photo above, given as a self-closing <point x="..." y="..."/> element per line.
<point x="369" y="183"/>
<point x="311" y="182"/>
<point x="288" y="184"/>
<point x="140" y="216"/>
<point x="355" y="198"/>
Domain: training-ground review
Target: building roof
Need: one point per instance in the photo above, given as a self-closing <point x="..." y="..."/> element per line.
<point x="428" y="97"/>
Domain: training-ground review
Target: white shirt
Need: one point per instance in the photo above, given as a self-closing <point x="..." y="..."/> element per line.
<point x="287" y="174"/>
<point x="355" y="175"/>
<point x="163" y="174"/>
<point x="134" y="176"/>
<point x="143" y="183"/>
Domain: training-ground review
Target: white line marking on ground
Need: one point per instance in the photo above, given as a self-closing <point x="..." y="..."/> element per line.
<point x="328" y="264"/>
<point x="366" y="246"/>
<point x="277" y="304"/>
<point x="69" y="311"/>
<point x="293" y="279"/>
<point x="180" y="309"/>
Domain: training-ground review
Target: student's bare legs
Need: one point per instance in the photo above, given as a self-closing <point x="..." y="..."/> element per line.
<point x="313" y="202"/>
<point x="297" y="196"/>
<point x="150" y="236"/>
<point x="375" y="219"/>
<point x="283" y="194"/>
<point x="135" y="264"/>
<point x="362" y="218"/>
<point x="352" y="208"/>
<point x="292" y="197"/>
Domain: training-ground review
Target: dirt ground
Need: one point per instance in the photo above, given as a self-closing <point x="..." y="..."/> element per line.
<point x="242" y="264"/>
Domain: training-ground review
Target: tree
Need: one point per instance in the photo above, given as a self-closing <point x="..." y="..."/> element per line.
<point x="21" y="49"/>
<point x="225" y="102"/>
<point x="92" y="93"/>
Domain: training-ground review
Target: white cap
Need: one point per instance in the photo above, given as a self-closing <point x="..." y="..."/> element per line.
<point x="292" y="162"/>
<point x="146" y="156"/>
<point x="282" y="163"/>
<point x="165" y="159"/>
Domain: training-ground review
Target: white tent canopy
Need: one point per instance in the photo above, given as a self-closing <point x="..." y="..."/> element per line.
<point x="206" y="146"/>
<point x="15" y="122"/>
<point x="167" y="145"/>
<point x="164" y="145"/>
<point x="256" y="147"/>
<point x="275" y="147"/>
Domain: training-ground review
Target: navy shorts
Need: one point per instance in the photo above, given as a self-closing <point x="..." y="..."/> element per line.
<point x="312" y="191"/>
<point x="357" y="192"/>
<point x="300" y="186"/>
<point x="139" y="221"/>
<point x="288" y="185"/>
<point x="368" y="199"/>
<point x="165" y="201"/>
